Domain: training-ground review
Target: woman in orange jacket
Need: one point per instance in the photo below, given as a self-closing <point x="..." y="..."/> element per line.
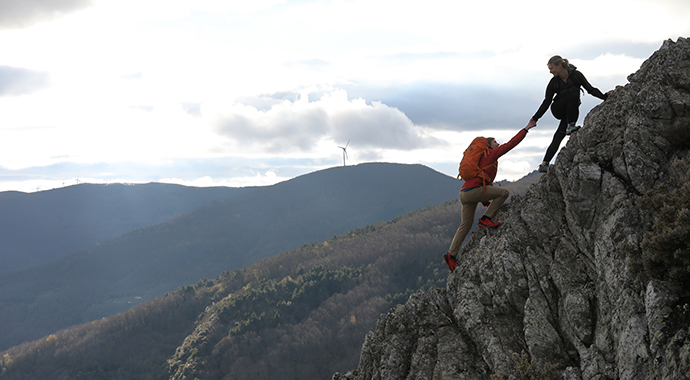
<point x="477" y="190"/>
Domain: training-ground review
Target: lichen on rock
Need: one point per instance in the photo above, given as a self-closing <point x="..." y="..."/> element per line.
<point x="557" y="279"/>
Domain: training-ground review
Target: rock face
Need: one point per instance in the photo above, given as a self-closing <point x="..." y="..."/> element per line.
<point x="555" y="280"/>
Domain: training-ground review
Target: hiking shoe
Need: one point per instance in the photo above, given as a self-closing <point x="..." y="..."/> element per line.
<point x="543" y="168"/>
<point x="486" y="222"/>
<point x="450" y="260"/>
<point x="571" y="128"/>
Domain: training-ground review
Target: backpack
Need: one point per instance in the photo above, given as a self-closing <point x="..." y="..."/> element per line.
<point x="469" y="166"/>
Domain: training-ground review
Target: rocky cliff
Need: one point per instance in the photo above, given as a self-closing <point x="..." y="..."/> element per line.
<point x="566" y="288"/>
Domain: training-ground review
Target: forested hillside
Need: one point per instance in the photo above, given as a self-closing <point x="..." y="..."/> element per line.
<point x="298" y="315"/>
<point x="302" y="314"/>
<point x="222" y="236"/>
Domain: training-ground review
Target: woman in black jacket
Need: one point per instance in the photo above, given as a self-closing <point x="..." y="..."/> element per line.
<point x="566" y="85"/>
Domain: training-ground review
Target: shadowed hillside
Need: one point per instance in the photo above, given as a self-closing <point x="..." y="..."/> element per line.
<point x="303" y="313"/>
<point x="284" y="313"/>
<point x="39" y="227"/>
<point x="118" y="274"/>
<point x="588" y="276"/>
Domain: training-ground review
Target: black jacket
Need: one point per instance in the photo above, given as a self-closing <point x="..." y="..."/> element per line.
<point x="559" y="88"/>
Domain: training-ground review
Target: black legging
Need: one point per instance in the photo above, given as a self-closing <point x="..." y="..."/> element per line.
<point x="567" y="110"/>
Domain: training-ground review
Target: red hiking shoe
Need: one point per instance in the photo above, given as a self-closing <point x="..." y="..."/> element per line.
<point x="450" y="260"/>
<point x="486" y="222"/>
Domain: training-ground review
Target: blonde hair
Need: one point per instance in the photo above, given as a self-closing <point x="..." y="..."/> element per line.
<point x="557" y="60"/>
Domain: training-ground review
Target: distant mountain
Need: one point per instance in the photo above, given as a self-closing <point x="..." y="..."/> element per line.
<point x="222" y="236"/>
<point x="38" y="227"/>
<point x="301" y="315"/>
<point x="521" y="186"/>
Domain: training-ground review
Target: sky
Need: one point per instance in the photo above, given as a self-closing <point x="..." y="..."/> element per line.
<point x="251" y="93"/>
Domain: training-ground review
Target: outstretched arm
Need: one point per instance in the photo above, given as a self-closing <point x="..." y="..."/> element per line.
<point x="591" y="89"/>
<point x="548" y="98"/>
<point x="502" y="149"/>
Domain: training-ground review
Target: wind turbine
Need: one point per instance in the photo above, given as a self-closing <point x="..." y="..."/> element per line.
<point x="344" y="151"/>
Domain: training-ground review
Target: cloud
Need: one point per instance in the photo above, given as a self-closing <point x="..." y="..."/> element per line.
<point x="456" y="106"/>
<point x="257" y="179"/>
<point x="302" y="124"/>
<point x="225" y="171"/>
<point x="593" y="50"/>
<point x="311" y="64"/>
<point x="25" y="13"/>
<point x="166" y="83"/>
<point x="17" y="81"/>
<point x="506" y="97"/>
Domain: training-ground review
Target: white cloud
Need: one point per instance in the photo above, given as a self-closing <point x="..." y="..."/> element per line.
<point x="25" y="13"/>
<point x="15" y="81"/>
<point x="300" y="125"/>
<point x="155" y="81"/>
<point x="266" y="179"/>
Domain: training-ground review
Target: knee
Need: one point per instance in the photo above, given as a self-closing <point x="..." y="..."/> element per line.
<point x="500" y="193"/>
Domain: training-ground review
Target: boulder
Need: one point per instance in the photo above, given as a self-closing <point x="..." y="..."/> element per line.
<point x="556" y="280"/>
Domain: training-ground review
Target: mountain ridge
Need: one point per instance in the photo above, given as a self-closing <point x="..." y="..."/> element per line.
<point x="336" y="288"/>
<point x="42" y="226"/>
<point x="341" y="285"/>
<point x="587" y="277"/>
<point x="225" y="235"/>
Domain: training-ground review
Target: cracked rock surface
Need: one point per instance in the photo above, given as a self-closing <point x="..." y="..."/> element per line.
<point x="555" y="280"/>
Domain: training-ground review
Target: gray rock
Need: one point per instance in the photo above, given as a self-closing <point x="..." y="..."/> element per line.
<point x="556" y="280"/>
<point x="659" y="301"/>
